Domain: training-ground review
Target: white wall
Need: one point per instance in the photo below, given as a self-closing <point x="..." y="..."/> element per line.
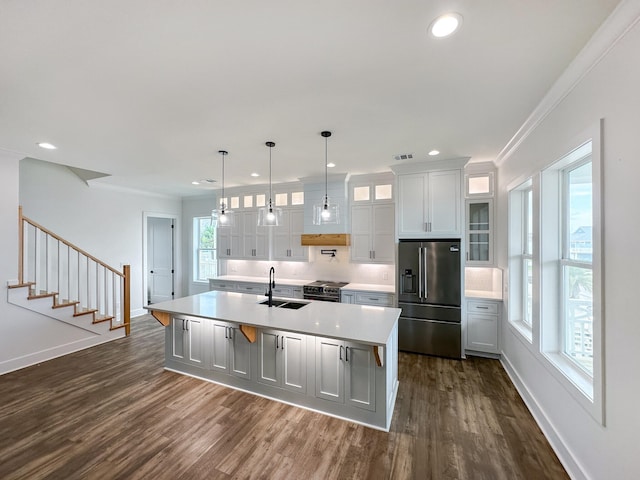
<point x="102" y="221"/>
<point x="611" y="90"/>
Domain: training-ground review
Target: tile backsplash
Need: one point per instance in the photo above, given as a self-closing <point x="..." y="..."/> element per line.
<point x="319" y="267"/>
<point x="483" y="279"/>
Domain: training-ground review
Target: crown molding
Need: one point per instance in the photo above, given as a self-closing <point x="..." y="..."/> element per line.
<point x="625" y="16"/>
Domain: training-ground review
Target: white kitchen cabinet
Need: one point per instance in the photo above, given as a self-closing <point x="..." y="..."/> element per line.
<point x="230" y="350"/>
<point x="187" y="345"/>
<point x="255" y="239"/>
<point x="345" y="373"/>
<point x="429" y="204"/>
<point x="229" y="241"/>
<point x="255" y="288"/>
<point x="381" y="299"/>
<point x="287" y="291"/>
<point x="483" y="325"/>
<point x="287" y="244"/>
<point x="480" y="232"/>
<point x="372" y="233"/>
<point x="282" y="360"/>
<point x="222" y="285"/>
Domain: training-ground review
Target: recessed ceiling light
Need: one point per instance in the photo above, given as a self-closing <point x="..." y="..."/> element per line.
<point x="195" y="183"/>
<point x="434" y="152"/>
<point x="445" y="25"/>
<point x="254" y="174"/>
<point x="47" y="145"/>
<point x="331" y="164"/>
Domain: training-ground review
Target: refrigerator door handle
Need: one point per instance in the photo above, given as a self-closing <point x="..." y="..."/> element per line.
<point x="420" y="272"/>
<point x="426" y="273"/>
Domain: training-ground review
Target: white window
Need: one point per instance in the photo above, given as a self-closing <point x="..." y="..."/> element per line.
<point x="521" y="274"/>
<point x="248" y="201"/>
<point x="282" y="199"/>
<point x="205" y="263"/>
<point x="297" y="198"/>
<point x="571" y="319"/>
<point x="384" y="192"/>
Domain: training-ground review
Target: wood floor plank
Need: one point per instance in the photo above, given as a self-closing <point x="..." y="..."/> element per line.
<point x="113" y="412"/>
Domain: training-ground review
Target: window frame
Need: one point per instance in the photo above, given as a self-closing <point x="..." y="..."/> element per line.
<point x="197" y="249"/>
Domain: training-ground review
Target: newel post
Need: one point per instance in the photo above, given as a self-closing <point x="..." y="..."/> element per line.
<point x="20" y="247"/>
<point x="126" y="271"/>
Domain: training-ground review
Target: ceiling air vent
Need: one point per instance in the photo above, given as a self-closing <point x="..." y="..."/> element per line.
<point x="403" y="156"/>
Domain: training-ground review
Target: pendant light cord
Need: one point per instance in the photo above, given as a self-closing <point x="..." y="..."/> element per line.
<point x="326" y="174"/>
<point x="222" y="205"/>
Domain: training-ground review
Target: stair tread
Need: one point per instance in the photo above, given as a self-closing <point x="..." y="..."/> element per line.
<point x="65" y="303"/>
<point x="21" y="285"/>
<point x="115" y="327"/>
<point x="102" y="318"/>
<point x="41" y="294"/>
<point x="84" y="311"/>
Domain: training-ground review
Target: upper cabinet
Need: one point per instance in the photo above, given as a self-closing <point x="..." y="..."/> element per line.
<point x="244" y="239"/>
<point x="429" y="204"/>
<point x="479" y="182"/>
<point x="372" y="218"/>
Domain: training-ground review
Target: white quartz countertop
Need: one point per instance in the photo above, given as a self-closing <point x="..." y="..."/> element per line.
<point x="370" y="287"/>
<point x="279" y="281"/>
<point x="358" y="323"/>
<point x="483" y="294"/>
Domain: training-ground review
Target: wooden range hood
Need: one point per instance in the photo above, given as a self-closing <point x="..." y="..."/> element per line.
<point x="325" y="239"/>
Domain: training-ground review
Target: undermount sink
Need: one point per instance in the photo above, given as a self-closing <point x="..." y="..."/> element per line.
<point x="285" y="304"/>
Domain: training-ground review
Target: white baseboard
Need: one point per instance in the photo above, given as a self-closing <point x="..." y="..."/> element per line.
<point x="34" y="358"/>
<point x="563" y="452"/>
<point x="138" y="312"/>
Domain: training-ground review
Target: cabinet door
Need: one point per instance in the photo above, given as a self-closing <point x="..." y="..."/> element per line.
<point x="220" y="350"/>
<point x="296" y="250"/>
<point x="268" y="345"/>
<point x="282" y="237"/>
<point x="479" y="231"/>
<point x="239" y="354"/>
<point x="482" y="332"/>
<point x="444" y="203"/>
<point x="360" y="376"/>
<point x="361" y="233"/>
<point x="383" y="236"/>
<point x="178" y="346"/>
<point x="195" y="340"/>
<point x="293" y="367"/>
<point x="412" y="214"/>
<point x="347" y="297"/>
<point x="329" y="369"/>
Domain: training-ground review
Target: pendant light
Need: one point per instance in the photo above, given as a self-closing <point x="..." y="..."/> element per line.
<point x="222" y="216"/>
<point x="269" y="216"/>
<point x="326" y="213"/>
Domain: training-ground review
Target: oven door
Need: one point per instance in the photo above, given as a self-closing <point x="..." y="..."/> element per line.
<point x="323" y="298"/>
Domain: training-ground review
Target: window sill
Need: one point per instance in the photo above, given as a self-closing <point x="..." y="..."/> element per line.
<point x="523" y="329"/>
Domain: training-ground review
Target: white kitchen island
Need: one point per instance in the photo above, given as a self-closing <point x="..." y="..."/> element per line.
<point x="337" y="359"/>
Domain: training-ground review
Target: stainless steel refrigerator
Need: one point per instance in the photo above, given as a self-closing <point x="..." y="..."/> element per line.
<point x="429" y="296"/>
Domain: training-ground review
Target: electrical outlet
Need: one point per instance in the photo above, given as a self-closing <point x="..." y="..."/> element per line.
<point x="385" y="275"/>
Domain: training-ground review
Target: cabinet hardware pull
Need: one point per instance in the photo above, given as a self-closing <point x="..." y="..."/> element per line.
<point x="277" y="340"/>
<point x="373" y="299"/>
<point x="182" y="323"/>
<point x="346" y="357"/>
<point x="187" y="322"/>
<point x="483" y="308"/>
<point x="282" y="343"/>
<point x="341" y="347"/>
<point x="374" y="254"/>
<point x="230" y="332"/>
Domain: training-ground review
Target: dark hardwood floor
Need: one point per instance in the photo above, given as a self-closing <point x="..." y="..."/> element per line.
<point x="113" y="412"/>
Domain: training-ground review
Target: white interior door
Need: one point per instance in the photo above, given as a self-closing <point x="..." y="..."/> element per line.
<point x="159" y="259"/>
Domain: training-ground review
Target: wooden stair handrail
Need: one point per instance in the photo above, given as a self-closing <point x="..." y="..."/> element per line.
<point x="60" y="239"/>
<point x="125" y="275"/>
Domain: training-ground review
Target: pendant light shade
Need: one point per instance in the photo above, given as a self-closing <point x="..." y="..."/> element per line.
<point x="269" y="216"/>
<point x="326" y="213"/>
<point x="222" y="216"/>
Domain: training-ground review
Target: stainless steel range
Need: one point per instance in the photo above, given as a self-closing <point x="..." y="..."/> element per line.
<point x="323" y="290"/>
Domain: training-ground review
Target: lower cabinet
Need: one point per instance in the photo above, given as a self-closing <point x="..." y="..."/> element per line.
<point x="483" y="322"/>
<point x="230" y="350"/>
<point x="187" y="344"/>
<point x="345" y="373"/>
<point x="282" y="359"/>
<point x="359" y="297"/>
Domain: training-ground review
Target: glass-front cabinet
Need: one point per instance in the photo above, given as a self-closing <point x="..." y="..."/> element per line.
<point x="480" y="232"/>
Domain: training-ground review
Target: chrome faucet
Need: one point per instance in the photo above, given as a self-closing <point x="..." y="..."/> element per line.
<point x="271" y="284"/>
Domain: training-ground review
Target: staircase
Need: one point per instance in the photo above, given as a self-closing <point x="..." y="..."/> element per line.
<point x="61" y="281"/>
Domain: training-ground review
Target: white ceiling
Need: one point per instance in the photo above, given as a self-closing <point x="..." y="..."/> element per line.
<point x="149" y="90"/>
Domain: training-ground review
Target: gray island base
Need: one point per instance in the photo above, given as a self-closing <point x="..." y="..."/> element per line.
<point x="333" y="358"/>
